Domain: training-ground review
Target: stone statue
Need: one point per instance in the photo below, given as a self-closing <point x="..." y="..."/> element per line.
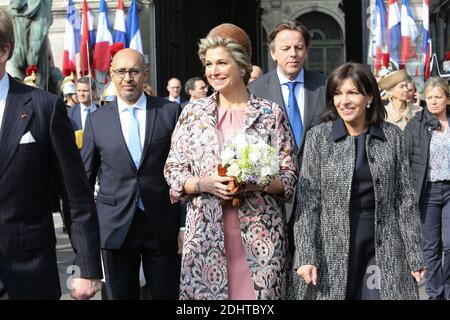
<point x="32" y="20"/>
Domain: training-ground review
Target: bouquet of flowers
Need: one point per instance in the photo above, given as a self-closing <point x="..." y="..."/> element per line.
<point x="249" y="163"/>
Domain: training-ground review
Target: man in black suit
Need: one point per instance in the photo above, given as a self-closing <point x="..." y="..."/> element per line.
<point x="128" y="141"/>
<point x="289" y="44"/>
<point x="37" y="142"/>
<point x="86" y="92"/>
<point x="174" y="89"/>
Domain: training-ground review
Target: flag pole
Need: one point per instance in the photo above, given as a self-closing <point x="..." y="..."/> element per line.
<point x="89" y="71"/>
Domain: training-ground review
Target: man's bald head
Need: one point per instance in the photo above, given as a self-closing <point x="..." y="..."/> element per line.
<point x="129" y="54"/>
<point x="128" y="73"/>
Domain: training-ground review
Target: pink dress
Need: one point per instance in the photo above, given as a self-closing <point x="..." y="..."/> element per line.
<point x="240" y="283"/>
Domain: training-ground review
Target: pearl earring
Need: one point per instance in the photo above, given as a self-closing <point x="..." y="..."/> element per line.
<point x="368" y="105"/>
<point x="242" y="73"/>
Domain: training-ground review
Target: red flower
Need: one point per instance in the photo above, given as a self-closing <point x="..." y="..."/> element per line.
<point x="30" y="69"/>
<point x="115" y="47"/>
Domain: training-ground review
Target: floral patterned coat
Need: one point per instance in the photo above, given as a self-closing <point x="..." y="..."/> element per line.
<point x="195" y="153"/>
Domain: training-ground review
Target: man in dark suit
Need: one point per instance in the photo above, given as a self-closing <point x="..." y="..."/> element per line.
<point x="86" y="92"/>
<point x="128" y="141"/>
<point x="301" y="93"/>
<point x="174" y="89"/>
<point x="37" y="142"/>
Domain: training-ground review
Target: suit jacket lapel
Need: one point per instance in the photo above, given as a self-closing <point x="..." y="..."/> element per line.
<point x="17" y="115"/>
<point x="311" y="97"/>
<point x="275" y="90"/>
<point x="149" y="126"/>
<point x="77" y="117"/>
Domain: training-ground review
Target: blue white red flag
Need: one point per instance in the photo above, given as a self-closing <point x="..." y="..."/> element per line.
<point x="379" y="29"/>
<point x="133" y="31"/>
<point x="85" y="47"/>
<point x="71" y="40"/>
<point x="426" y="38"/>
<point x="409" y="33"/>
<point x="120" y="31"/>
<point x="394" y="29"/>
<point x="102" y="54"/>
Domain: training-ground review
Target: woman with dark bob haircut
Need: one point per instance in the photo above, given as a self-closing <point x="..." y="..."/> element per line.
<point x="357" y="227"/>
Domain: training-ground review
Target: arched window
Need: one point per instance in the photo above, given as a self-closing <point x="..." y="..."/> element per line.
<point x="327" y="47"/>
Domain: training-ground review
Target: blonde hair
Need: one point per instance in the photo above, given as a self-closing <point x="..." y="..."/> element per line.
<point x="237" y="51"/>
<point x="437" y="82"/>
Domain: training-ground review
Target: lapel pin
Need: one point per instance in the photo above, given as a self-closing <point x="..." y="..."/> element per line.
<point x="23" y="115"/>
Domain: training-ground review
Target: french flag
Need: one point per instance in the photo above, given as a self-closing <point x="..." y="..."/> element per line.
<point x="394" y="27"/>
<point x="91" y="29"/>
<point x="102" y="54"/>
<point x="71" y="39"/>
<point x="426" y="37"/>
<point x="409" y="33"/>
<point x="120" y="31"/>
<point x="133" y="32"/>
<point x="379" y="27"/>
<point x="85" y="59"/>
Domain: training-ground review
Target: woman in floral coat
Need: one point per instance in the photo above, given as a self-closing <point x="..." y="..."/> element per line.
<point x="230" y="253"/>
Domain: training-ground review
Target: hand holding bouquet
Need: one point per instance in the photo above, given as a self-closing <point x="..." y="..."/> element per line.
<point x="249" y="163"/>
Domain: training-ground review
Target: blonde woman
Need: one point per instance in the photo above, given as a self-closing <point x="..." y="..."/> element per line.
<point x="230" y="253"/>
<point x="394" y="87"/>
<point x="428" y="143"/>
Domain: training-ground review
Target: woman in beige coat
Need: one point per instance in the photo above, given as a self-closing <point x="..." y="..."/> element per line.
<point x="394" y="88"/>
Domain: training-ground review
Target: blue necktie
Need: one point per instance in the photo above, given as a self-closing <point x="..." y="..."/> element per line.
<point x="295" y="117"/>
<point x="134" y="144"/>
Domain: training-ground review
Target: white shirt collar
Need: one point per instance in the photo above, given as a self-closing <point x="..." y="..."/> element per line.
<point x="177" y="99"/>
<point x="140" y="104"/>
<point x="4" y="86"/>
<point x="283" y="79"/>
<point x="84" y="107"/>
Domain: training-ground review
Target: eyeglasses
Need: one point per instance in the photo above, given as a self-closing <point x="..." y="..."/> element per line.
<point x="121" y="73"/>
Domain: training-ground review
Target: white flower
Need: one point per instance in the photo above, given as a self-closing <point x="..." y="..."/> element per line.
<point x="240" y="141"/>
<point x="266" y="171"/>
<point x="233" y="170"/>
<point x="254" y="155"/>
<point x="226" y="156"/>
<point x="250" y="162"/>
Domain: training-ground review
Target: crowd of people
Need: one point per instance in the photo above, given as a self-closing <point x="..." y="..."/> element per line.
<point x="356" y="210"/>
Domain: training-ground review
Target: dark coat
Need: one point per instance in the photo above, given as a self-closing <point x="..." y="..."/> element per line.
<point x="105" y="153"/>
<point x="74" y="114"/>
<point x="28" y="266"/>
<point x="322" y="221"/>
<point x="417" y="143"/>
<point x="268" y="87"/>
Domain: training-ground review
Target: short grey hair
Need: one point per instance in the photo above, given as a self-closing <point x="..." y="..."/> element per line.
<point x="238" y="52"/>
<point x="190" y="84"/>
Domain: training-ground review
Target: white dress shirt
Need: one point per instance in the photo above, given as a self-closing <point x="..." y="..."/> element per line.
<point x="85" y="110"/>
<point x="299" y="91"/>
<point x="4" y="88"/>
<point x="141" y="116"/>
<point x="177" y="100"/>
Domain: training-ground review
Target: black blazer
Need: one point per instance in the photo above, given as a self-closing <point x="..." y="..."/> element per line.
<point x="28" y="267"/>
<point x="268" y="87"/>
<point x="105" y="152"/>
<point x="417" y="135"/>
<point x="74" y="114"/>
